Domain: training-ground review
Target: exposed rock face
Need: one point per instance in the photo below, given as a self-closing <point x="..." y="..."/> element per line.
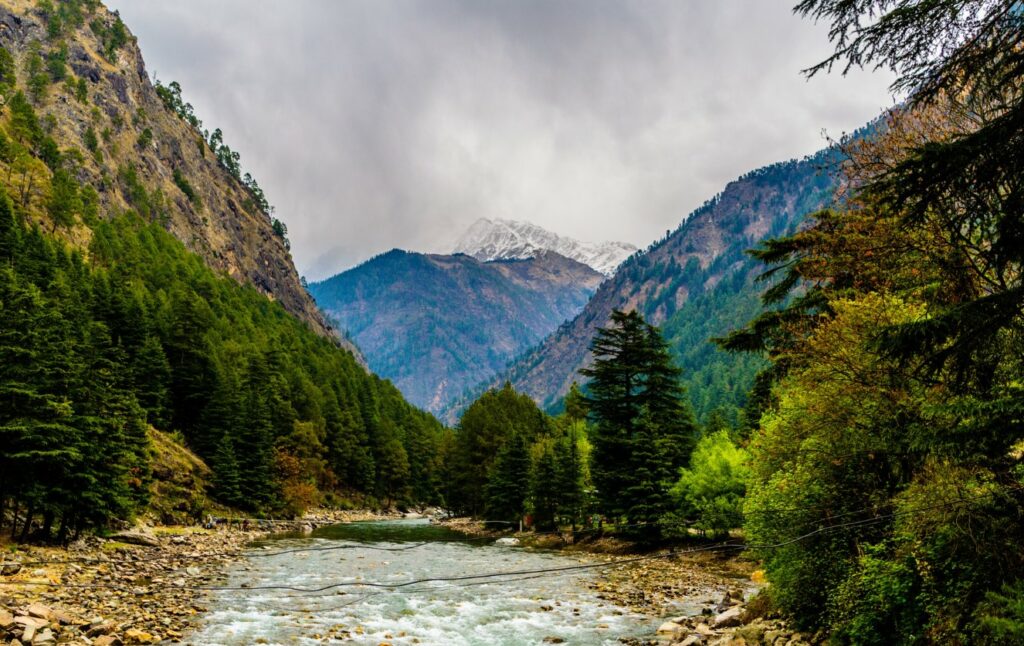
<point x="221" y="223"/>
<point x="436" y="325"/>
<point x="512" y="240"/>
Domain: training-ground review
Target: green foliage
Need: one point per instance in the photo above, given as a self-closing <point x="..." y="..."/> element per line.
<point x="145" y="138"/>
<point x="887" y="457"/>
<point x="8" y="71"/>
<point x="486" y="427"/>
<point x="64" y="202"/>
<point x="508" y="484"/>
<point x="644" y="431"/>
<point x="112" y="36"/>
<point x="182" y="183"/>
<point x="715" y="483"/>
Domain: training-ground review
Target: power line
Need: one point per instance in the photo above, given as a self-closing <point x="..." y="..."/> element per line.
<point x="466" y="539"/>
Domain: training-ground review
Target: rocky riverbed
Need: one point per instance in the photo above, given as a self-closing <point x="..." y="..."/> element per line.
<point x="703" y="598"/>
<point x="136" y="587"/>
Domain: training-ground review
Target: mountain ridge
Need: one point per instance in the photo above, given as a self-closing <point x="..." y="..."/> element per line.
<point x="679" y="283"/>
<point x="436" y="324"/>
<point x="500" y="239"/>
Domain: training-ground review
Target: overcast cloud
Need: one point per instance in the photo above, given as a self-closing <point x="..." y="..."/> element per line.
<point x="373" y="125"/>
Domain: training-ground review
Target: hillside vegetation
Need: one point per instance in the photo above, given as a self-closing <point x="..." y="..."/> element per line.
<point x="127" y="301"/>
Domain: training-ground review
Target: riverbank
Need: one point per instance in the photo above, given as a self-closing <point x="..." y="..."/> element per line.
<point x="136" y="587"/>
<point x="698" y="598"/>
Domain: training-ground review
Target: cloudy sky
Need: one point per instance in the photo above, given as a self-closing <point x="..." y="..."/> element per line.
<point x="379" y="124"/>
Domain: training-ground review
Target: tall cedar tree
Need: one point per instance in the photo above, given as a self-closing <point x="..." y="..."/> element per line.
<point x="644" y="431"/>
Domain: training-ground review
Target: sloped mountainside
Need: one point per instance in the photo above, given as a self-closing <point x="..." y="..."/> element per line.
<point x="510" y="239"/>
<point x="436" y="324"/>
<point x="138" y="152"/>
<point x="695" y="283"/>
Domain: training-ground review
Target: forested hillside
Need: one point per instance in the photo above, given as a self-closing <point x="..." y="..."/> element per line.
<point x="696" y="283"/>
<point x="138" y="146"/>
<point x="436" y="325"/>
<point x="135" y="270"/>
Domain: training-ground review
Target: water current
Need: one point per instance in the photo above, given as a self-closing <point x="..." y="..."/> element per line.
<point x="500" y="611"/>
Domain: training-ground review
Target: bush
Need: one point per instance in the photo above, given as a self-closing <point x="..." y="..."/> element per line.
<point x="714" y="485"/>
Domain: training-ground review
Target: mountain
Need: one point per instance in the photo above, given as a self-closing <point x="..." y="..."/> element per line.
<point x="508" y="239"/>
<point x="695" y="283"/>
<point x="145" y="286"/>
<point x="437" y="324"/>
<point x="141" y="154"/>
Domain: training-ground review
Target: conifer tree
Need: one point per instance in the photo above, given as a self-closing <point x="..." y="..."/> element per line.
<point x="509" y="484"/>
<point x="643" y="428"/>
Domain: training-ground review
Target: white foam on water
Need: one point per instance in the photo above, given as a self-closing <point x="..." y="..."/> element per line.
<point x="456" y="613"/>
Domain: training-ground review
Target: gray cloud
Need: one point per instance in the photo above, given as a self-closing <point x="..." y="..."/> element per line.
<point x="372" y="125"/>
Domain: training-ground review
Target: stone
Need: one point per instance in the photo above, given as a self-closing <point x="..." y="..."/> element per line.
<point x="39" y="610"/>
<point x="6" y="619"/>
<point x="136" y="538"/>
<point x="692" y="640"/>
<point x="752" y="633"/>
<point x="136" y="636"/>
<point x="554" y="640"/>
<point x="35" y="622"/>
<point x="28" y="634"/>
<point x="729" y="618"/>
<point x="10" y="569"/>
<point x="773" y="636"/>
<point x="107" y="640"/>
<point x="670" y="628"/>
<point x="44" y="638"/>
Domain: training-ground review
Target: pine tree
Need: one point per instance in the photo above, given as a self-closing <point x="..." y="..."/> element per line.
<point x="225" y="473"/>
<point x="545" y="491"/>
<point x="643" y="428"/>
<point x="509" y="483"/>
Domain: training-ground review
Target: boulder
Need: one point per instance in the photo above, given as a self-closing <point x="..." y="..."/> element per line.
<point x="10" y="569"/>
<point x="40" y="611"/>
<point x="670" y="628"/>
<point x="729" y="618"/>
<point x="136" y="538"/>
<point x="136" y="636"/>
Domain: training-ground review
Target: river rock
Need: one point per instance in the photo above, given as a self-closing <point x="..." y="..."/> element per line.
<point x="40" y="611"/>
<point x="729" y="618"/>
<point x="136" y="538"/>
<point x="10" y="569"/>
<point x="670" y="628"/>
<point x="6" y="619"/>
<point x="692" y="640"/>
<point x="508" y="540"/>
<point x="136" y="636"/>
<point x="44" y="638"/>
<point x="107" y="640"/>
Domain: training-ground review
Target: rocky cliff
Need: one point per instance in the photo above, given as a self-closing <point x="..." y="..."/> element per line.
<point x="98" y="105"/>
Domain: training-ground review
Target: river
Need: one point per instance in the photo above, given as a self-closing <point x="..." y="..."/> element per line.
<point x="504" y="611"/>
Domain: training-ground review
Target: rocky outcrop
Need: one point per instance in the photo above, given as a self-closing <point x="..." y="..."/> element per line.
<point x="139" y="154"/>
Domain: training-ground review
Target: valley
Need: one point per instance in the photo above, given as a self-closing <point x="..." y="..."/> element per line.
<point x="509" y="410"/>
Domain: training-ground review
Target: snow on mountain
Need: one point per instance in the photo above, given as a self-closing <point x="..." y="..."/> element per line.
<point x="509" y="239"/>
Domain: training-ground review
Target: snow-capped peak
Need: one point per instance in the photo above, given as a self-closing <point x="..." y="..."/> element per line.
<point x="507" y="239"/>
